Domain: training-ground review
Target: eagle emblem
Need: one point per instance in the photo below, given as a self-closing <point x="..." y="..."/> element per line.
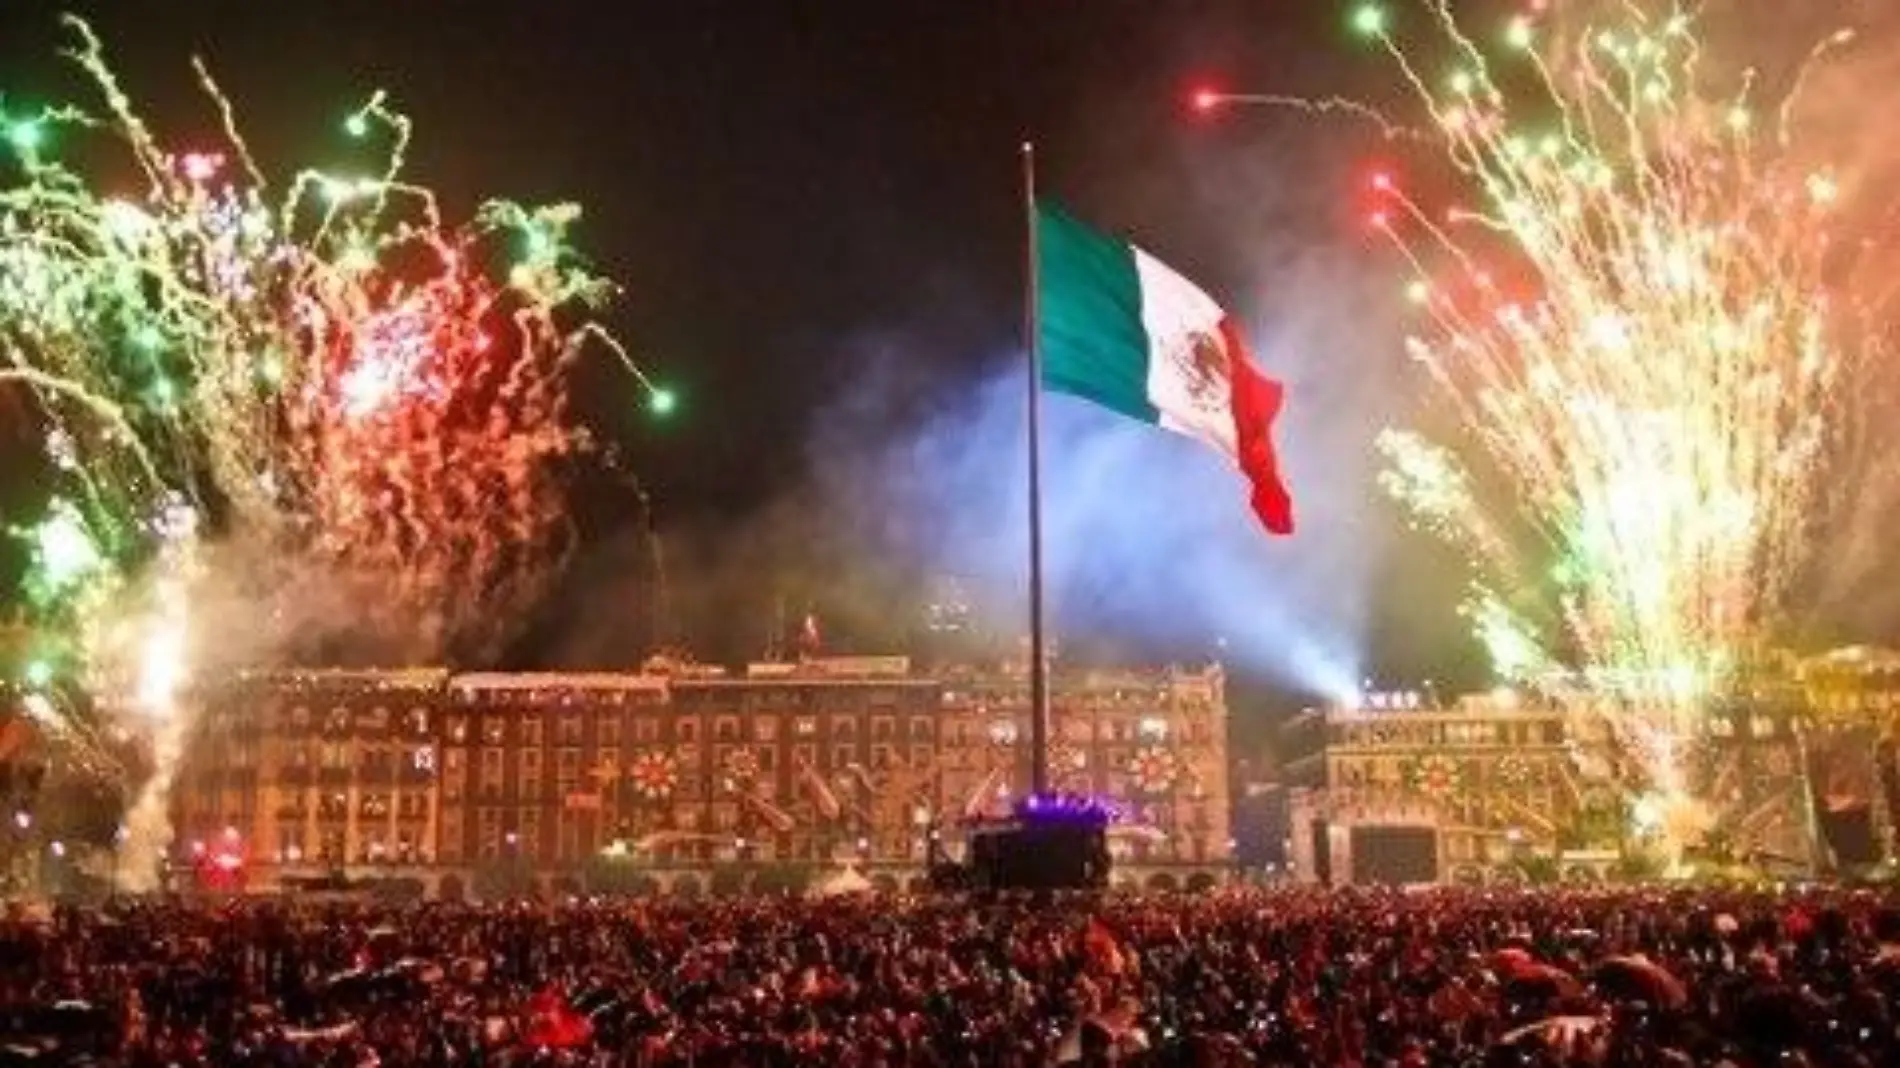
<point x="1204" y="367"/>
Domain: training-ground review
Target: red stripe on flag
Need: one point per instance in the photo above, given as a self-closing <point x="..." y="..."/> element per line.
<point x="1257" y="401"/>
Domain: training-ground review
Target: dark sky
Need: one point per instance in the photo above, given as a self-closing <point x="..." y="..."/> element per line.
<point x="813" y="208"/>
<point x="764" y="178"/>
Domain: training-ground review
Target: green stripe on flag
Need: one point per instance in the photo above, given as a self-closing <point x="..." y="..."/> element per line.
<point x="1089" y="316"/>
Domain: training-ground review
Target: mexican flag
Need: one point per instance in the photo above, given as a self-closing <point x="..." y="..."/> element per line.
<point x="1122" y="329"/>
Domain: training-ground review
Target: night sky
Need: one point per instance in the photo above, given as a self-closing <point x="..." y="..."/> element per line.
<point x="813" y="208"/>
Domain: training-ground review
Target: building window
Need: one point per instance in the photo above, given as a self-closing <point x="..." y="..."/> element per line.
<point x="805" y="726"/>
<point x="921" y="729"/>
<point x="494" y="730"/>
<point x="765" y="729"/>
<point x="687" y="730"/>
<point x="376" y="765"/>
<point x="607" y="768"/>
<point x="882" y="757"/>
<point x="920" y="756"/>
<point x="567" y="770"/>
<point x="726" y="729"/>
<point x="570" y="729"/>
<point x="492" y="773"/>
<point x="454" y="773"/>
<point x="488" y="832"/>
<point x="568" y="843"/>
<point x="883" y="728"/>
<point x="844" y="727"/>
<point x="458" y="730"/>
<point x="646" y="729"/>
<point x="531" y="728"/>
<point x="337" y="721"/>
<point x="607" y="730"/>
<point x="843" y="755"/>
<point x="528" y="832"/>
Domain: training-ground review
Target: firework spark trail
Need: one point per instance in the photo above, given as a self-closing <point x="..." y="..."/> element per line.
<point x="352" y="400"/>
<point x="1656" y="366"/>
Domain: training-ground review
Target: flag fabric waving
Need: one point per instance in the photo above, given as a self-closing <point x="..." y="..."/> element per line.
<point x="1122" y="329"/>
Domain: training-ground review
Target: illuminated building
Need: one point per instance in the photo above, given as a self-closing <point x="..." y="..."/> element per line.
<point x="1853" y="698"/>
<point x="302" y="772"/>
<point x="1858" y="686"/>
<point x="1398" y="788"/>
<point x="567" y="780"/>
<point x="1749" y="766"/>
<point x="1155" y="740"/>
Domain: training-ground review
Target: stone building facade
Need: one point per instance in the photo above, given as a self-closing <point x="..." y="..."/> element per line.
<point x="1401" y="789"/>
<point x="464" y="781"/>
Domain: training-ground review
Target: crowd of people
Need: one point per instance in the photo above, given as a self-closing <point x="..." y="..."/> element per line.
<point x="1290" y="977"/>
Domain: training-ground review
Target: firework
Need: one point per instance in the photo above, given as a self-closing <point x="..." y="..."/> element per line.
<point x="274" y="417"/>
<point x="1641" y="327"/>
<point x="339" y="396"/>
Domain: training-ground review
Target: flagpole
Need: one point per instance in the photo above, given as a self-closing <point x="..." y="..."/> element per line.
<point x="1038" y="657"/>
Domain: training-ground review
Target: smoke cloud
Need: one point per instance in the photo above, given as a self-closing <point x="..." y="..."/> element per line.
<point x="917" y="468"/>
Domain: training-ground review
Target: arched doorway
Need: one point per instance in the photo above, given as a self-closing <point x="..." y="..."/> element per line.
<point x="687" y="887"/>
<point x="1201" y="882"/>
<point x="884" y="884"/>
<point x="1163" y="883"/>
<point x="452" y="889"/>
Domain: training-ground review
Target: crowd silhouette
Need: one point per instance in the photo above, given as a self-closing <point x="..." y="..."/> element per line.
<point x="1757" y="977"/>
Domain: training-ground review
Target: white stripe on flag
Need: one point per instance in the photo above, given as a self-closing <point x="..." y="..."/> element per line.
<point x="1193" y="395"/>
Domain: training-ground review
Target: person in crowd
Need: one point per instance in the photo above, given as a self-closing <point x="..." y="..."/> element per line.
<point x="1362" y="978"/>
